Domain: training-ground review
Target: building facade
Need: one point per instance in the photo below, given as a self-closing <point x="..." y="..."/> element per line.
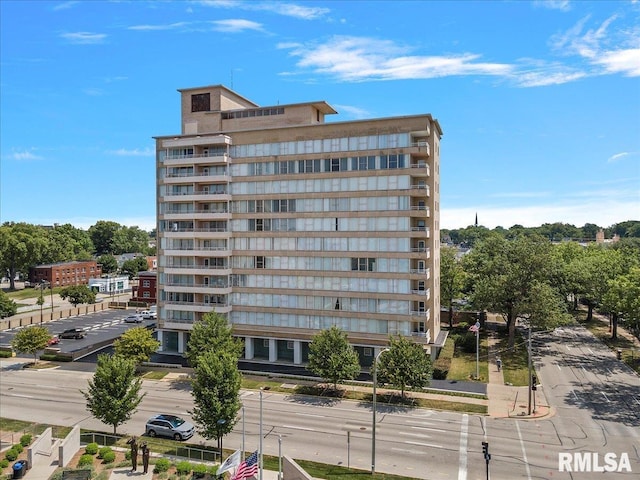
<point x="146" y="290"/>
<point x="288" y="225"/>
<point x="65" y="274"/>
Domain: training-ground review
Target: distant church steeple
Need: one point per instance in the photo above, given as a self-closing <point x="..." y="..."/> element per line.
<point x="476" y="219"/>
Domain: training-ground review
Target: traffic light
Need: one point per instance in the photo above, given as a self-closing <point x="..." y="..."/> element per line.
<point x="485" y="451"/>
<point x="534" y="382"/>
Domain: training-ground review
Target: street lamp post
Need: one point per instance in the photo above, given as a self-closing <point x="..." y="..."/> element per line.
<point x="41" y="299"/>
<point x="260" y="445"/>
<point x="279" y="457"/>
<point x="529" y="364"/>
<point x="373" y="423"/>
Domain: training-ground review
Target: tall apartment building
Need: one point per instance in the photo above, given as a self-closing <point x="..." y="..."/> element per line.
<point x="289" y="225"/>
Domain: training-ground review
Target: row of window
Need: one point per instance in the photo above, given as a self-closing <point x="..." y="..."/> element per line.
<point x="327" y="145"/>
<point x="319" y="283"/>
<point x="317" y="322"/>
<point x="317" y="165"/>
<point x="324" y="244"/>
<point x="370" y="224"/>
<point x="327" y="264"/>
<point x="253" y="112"/>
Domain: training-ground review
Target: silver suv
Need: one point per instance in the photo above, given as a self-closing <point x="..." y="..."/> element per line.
<point x="169" y="426"/>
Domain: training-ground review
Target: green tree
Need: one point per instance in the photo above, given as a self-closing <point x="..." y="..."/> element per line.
<point x="114" y="394"/>
<point x="451" y="279"/>
<point x="130" y="240"/>
<point x="404" y="365"/>
<point x="216" y="393"/>
<point x="136" y="344"/>
<point x="102" y="234"/>
<point x="133" y="266"/>
<point x="31" y="340"/>
<point x="66" y="242"/>
<point x="332" y="357"/>
<point x="212" y="333"/>
<point x="78" y="294"/>
<point x="108" y="262"/>
<point x="22" y="246"/>
<point x="503" y="272"/>
<point x="8" y="307"/>
<point x="622" y="300"/>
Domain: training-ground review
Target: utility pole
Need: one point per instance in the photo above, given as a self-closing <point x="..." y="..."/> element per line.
<point x="530" y="369"/>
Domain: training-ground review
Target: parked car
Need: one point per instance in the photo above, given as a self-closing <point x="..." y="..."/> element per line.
<point x="76" y="333"/>
<point x="135" y="318"/>
<point x="54" y="340"/>
<point x="149" y="315"/>
<point x="165" y="425"/>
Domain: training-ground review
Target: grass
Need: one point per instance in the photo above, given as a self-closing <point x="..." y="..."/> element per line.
<point x="31" y="293"/>
<point x="515" y="367"/>
<point x="463" y="364"/>
<point x="155" y="375"/>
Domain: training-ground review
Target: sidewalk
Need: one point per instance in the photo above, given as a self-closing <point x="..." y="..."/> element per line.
<point x="508" y="401"/>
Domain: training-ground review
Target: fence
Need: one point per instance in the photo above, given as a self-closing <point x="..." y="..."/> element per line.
<point x="178" y="451"/>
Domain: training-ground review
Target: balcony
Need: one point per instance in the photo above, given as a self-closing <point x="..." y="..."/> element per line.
<point x="196" y="178"/>
<point x="421" y="147"/>
<point x="202" y="307"/>
<point x="194" y="159"/>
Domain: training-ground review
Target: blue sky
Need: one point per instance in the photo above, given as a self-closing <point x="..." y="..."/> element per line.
<point x="539" y="101"/>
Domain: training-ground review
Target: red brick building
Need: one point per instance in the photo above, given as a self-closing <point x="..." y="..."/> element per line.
<point x="146" y="289"/>
<point x="66" y="273"/>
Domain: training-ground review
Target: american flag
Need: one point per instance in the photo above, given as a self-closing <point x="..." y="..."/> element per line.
<point x="475" y="328"/>
<point x="248" y="468"/>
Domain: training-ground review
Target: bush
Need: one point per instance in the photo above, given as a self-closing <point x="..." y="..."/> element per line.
<point x="11" y="454"/>
<point x="127" y="455"/>
<point x="103" y="451"/>
<point x="4" y="463"/>
<point x="442" y="365"/>
<point x="91" y="448"/>
<point x="85" y="460"/>
<point x="183" y="468"/>
<point x="199" y="470"/>
<point x="25" y="439"/>
<point x="6" y="354"/>
<point x="162" y="465"/>
<point x="467" y="342"/>
<point x="18" y="448"/>
<point x="108" y="457"/>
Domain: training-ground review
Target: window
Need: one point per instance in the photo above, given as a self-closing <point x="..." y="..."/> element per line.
<point x="146" y="283"/>
<point x="259" y="262"/>
<point x="289" y="345"/>
<point x="368" y="352"/>
<point x="146" y="294"/>
<point x="201" y="102"/>
<point x="265" y="342"/>
<point x="363" y="264"/>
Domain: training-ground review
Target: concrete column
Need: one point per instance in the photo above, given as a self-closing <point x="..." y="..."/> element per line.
<point x="181" y="342"/>
<point x="297" y="352"/>
<point x="273" y="350"/>
<point x="159" y="333"/>
<point x="248" y="348"/>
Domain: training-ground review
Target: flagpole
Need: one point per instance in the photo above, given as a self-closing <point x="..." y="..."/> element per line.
<point x="243" y="433"/>
<point x="477" y="354"/>
<point x="260" y="460"/>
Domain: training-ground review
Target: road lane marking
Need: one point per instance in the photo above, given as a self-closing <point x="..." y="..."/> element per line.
<point x="464" y="436"/>
<point x="310" y="415"/>
<point x="411" y="434"/>
<point x="524" y="453"/>
<point x="425" y="444"/>
<point x="299" y="428"/>
<point x="430" y="429"/>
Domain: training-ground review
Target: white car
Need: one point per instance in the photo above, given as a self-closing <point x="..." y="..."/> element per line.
<point x="135" y="318"/>
<point x="148" y="314"/>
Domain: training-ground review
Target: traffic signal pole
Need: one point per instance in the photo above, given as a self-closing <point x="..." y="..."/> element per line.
<point x="487" y="455"/>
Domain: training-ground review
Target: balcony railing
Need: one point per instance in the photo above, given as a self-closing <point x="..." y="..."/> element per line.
<point x="195" y="285"/>
<point x="209" y="230"/>
<point x="196" y="174"/>
<point x="196" y="304"/>
<point x="419" y="313"/>
<point x="200" y="267"/>
<point x="419" y="270"/>
<point x="197" y="155"/>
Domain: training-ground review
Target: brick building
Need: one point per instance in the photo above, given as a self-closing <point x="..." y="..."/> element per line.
<point x="146" y="289"/>
<point x="66" y="273"/>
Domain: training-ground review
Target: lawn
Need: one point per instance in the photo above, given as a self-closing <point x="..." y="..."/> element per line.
<point x="463" y="364"/>
<point x="515" y="366"/>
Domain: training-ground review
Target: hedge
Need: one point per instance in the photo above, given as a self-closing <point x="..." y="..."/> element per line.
<point x="442" y="365"/>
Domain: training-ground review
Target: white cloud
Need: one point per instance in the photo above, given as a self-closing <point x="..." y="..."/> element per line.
<point x="93" y="92"/>
<point x="563" y="5"/>
<point x="169" y="26"/>
<point x="24" y="155"/>
<point x="65" y="5"/>
<point x="136" y="152"/>
<point x="360" y="58"/>
<point x="353" y="112"/>
<point x="84" y="38"/>
<point x="236" y="25"/>
<point x="626" y="61"/>
<point x="294" y="10"/>
<point x="617" y="156"/>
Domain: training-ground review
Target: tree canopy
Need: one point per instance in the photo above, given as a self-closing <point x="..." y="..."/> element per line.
<point x="31" y="340"/>
<point x="404" y="365"/>
<point x="114" y="394"/>
<point x="213" y="333"/>
<point x="78" y="294"/>
<point x="136" y="344"/>
<point x="332" y="357"/>
<point x="8" y="306"/>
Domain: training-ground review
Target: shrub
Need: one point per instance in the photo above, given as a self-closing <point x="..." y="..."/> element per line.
<point x="11" y="454"/>
<point x="162" y="465"/>
<point x="103" y="451"/>
<point x="6" y="354"/>
<point x="18" y="448"/>
<point x="91" y="448"/>
<point x="25" y="439"/>
<point x="85" y="460"/>
<point x="127" y="455"/>
<point x="183" y="468"/>
<point x="199" y="470"/>
<point x="108" y="457"/>
<point x="467" y="342"/>
<point x="442" y="365"/>
<point x="4" y="463"/>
